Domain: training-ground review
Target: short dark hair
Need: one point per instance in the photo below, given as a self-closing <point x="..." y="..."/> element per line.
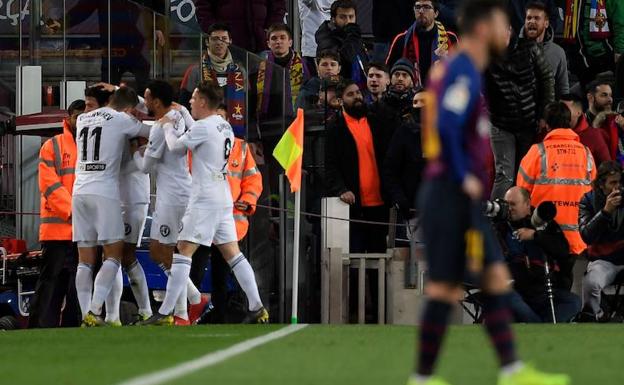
<point x="328" y="54"/>
<point x="343" y="85"/>
<point x="279" y="27"/>
<point x="76" y="105"/>
<point x="378" y="66"/>
<point x="211" y="93"/>
<point x="99" y="94"/>
<point x="557" y="115"/>
<point x="592" y="87"/>
<point x="605" y="170"/>
<point x="219" y="27"/>
<point x="161" y="90"/>
<point x="124" y="97"/>
<point x="574" y="98"/>
<point x="221" y="106"/>
<point x="435" y="3"/>
<point x="472" y="12"/>
<point x="540" y="6"/>
<point x="344" y="4"/>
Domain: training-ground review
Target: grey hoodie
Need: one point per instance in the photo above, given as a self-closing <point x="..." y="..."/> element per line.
<point x="556" y="58"/>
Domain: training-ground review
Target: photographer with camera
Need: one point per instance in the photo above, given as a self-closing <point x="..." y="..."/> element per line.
<point x="600" y="218"/>
<point x="539" y="259"/>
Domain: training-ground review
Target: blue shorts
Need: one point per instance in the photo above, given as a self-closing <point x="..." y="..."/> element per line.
<point x="446" y="214"/>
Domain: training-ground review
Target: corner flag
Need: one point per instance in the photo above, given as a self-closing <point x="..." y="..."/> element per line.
<point x="289" y="152"/>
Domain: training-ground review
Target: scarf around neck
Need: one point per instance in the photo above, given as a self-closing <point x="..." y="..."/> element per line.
<point x="298" y="74"/>
<point x="411" y="47"/>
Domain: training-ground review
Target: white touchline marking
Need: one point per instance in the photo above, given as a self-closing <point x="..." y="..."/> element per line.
<point x="210" y="359"/>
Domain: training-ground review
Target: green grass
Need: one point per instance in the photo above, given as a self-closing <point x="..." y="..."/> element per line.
<point x="320" y="355"/>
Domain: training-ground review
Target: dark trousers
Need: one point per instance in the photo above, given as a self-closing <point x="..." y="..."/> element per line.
<point x="537" y="309"/>
<point x="368" y="238"/>
<point x="56" y="284"/>
<point x="220" y="272"/>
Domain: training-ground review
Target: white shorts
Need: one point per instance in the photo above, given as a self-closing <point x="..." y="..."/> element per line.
<point x="134" y="220"/>
<point x="208" y="226"/>
<point x="96" y="220"/>
<point x="166" y="223"/>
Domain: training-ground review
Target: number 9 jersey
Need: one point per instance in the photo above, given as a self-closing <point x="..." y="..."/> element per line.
<point x="101" y="137"/>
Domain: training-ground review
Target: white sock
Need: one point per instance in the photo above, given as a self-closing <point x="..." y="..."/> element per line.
<point x="193" y="295"/>
<point x="512" y="368"/>
<point x="138" y="284"/>
<point x="103" y="283"/>
<point x="180" y="269"/>
<point x="246" y="279"/>
<point x="164" y="268"/>
<point x="181" y="306"/>
<point x="420" y="378"/>
<point x="84" y="286"/>
<point x="113" y="300"/>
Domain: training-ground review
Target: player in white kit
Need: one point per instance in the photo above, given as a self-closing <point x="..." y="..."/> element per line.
<point x="101" y="136"/>
<point x="208" y="218"/>
<point x="173" y="189"/>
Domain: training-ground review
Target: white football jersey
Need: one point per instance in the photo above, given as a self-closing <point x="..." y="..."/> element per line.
<point x="173" y="179"/>
<point x="101" y="138"/>
<point x="210" y="141"/>
<point x="134" y="185"/>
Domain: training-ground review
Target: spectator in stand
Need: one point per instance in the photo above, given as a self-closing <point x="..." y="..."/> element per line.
<point x="590" y="136"/>
<point x="424" y="43"/>
<point x="328" y="67"/>
<point x="312" y="13"/>
<point x="55" y="302"/>
<point x="280" y="42"/>
<point x="517" y="87"/>
<point x="219" y="69"/>
<point x="600" y="227"/>
<point x="528" y="245"/>
<point x="342" y="34"/>
<point x="356" y="147"/>
<point x="568" y="175"/>
<point x="404" y="165"/>
<point x="600" y="114"/>
<point x="518" y="8"/>
<point x="537" y="28"/>
<point x="390" y="18"/>
<point x="248" y="20"/>
<point x="596" y="41"/>
<point x="377" y="81"/>
<point x="398" y="100"/>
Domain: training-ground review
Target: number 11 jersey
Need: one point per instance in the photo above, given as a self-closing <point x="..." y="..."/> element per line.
<point x="101" y="137"/>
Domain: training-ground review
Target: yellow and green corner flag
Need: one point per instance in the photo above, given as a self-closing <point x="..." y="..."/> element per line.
<point x="289" y="152"/>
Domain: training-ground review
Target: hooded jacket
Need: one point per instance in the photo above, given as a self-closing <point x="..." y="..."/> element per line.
<point x="556" y="58"/>
<point x="346" y="41"/>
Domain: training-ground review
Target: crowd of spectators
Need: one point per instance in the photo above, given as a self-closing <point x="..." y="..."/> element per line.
<point x="551" y="101"/>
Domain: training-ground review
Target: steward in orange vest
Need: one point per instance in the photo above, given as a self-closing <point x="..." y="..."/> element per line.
<point x="561" y="170"/>
<point x="245" y="184"/>
<point x="57" y="161"/>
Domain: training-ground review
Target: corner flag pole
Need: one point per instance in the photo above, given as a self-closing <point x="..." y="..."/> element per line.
<point x="295" y="273"/>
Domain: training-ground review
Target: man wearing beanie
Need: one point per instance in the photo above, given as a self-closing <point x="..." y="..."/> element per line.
<point x="398" y="99"/>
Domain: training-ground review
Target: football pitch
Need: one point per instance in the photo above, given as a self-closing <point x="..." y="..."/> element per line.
<point x="315" y="354"/>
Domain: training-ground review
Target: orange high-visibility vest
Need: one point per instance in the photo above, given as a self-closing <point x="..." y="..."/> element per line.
<point x="57" y="161"/>
<point x="561" y="170"/>
<point x="245" y="183"/>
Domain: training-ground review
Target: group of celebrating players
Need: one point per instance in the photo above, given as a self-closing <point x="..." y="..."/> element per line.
<point x="116" y="153"/>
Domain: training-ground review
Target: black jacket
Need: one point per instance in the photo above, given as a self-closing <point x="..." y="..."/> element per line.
<point x="341" y="158"/>
<point x="404" y="164"/>
<point x="346" y="41"/>
<point x="603" y="233"/>
<point x="518" y="87"/>
<point x="526" y="258"/>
